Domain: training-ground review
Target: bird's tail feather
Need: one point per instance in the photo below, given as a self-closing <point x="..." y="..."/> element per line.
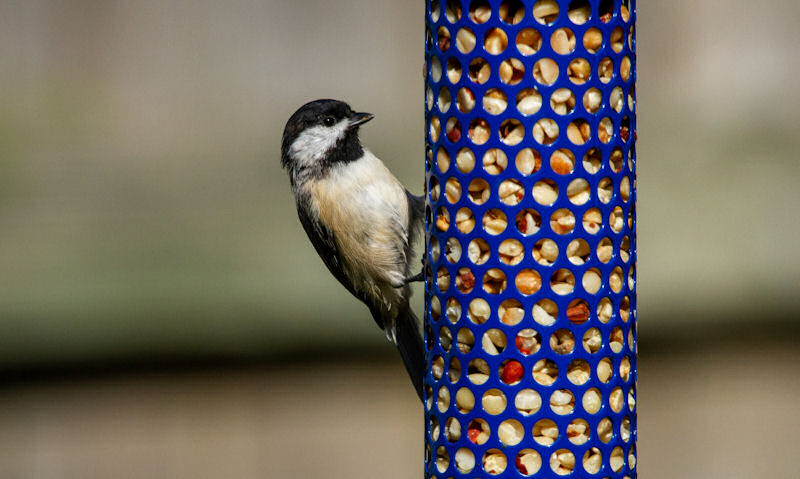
<point x="411" y="347"/>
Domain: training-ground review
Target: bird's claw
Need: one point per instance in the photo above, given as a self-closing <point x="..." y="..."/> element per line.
<point x="417" y="277"/>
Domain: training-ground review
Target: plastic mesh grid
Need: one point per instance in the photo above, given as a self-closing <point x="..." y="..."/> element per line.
<point x="530" y="299"/>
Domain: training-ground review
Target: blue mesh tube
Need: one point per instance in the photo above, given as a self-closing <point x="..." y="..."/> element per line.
<point x="530" y="298"/>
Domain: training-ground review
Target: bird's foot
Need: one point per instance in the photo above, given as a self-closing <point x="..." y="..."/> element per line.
<point x="417" y="277"/>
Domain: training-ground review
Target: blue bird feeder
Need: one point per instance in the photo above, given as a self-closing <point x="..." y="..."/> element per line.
<point x="530" y="297"/>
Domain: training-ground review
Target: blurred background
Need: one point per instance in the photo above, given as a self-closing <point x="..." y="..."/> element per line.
<point x="163" y="315"/>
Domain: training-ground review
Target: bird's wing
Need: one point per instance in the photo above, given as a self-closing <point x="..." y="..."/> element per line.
<point x="324" y="244"/>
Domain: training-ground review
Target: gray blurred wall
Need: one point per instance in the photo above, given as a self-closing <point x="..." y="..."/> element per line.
<point x="143" y="210"/>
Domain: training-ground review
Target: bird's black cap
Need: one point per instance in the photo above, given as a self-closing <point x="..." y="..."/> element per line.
<point x="321" y="112"/>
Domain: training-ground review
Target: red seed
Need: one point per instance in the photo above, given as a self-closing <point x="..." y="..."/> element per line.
<point x="473" y="432"/>
<point x="520" y="342"/>
<point x="521" y="467"/>
<point x="512" y="372"/>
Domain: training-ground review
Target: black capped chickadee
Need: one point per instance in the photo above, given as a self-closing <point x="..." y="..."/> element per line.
<point x="359" y="218"/>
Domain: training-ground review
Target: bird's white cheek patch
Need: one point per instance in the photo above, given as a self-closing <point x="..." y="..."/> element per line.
<point x="314" y="143"/>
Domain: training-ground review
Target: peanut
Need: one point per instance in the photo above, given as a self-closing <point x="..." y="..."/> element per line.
<point x="592" y="341"/>
<point x="562" y="161"/>
<point x="478" y="191"/>
<point x="562" y="462"/>
<point x="465" y="160"/>
<point x="479" y="131"/>
<point x="465" y="100"/>
<point x="494" y="462"/>
<point x="545" y="71"/>
<point x="579" y="71"/>
<point x="495" y="101"/>
<point x="465" y="460"/>
<point x="494" y="402"/>
<point x="511" y="252"/>
<point x="479" y="311"/>
<point x="545" y="252"/>
<point x="528" y="221"/>
<point x="511" y="71"/>
<point x="592" y="40"/>
<point x="545" y="131"/>
<point x="465" y="221"/>
<point x="529" y="101"/>
<point x="494" y="222"/>
<point x="591" y="401"/>
<point x="545" y="432"/>
<point x="528" y="161"/>
<point x="495" y="41"/>
<point x="527" y="402"/>
<point x="510" y="432"/>
<point x="478" y="251"/>
<point x="479" y="70"/>
<point x="511" y="312"/>
<point x="465" y="40"/>
<point x="529" y="41"/>
<point x="545" y="312"/>
<point x="563" y="41"/>
<point x="545" y="11"/>
<point x="528" y="282"/>
<point x="495" y="161"/>
<point x="494" y="281"/>
<point x="465" y="400"/>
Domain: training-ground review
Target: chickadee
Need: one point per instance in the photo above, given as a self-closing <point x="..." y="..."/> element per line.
<point x="359" y="218"/>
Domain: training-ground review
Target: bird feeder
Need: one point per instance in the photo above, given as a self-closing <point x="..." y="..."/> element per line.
<point x="530" y="320"/>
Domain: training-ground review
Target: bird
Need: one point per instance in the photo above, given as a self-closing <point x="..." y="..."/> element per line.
<point x="360" y="219"/>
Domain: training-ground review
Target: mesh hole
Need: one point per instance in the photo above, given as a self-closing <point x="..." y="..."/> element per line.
<point x="578" y="432"/>
<point x="545" y="372"/>
<point x="495" y="41"/>
<point x="511" y="71"/>
<point x="592" y="221"/>
<point x="528" y="161"/>
<point x="495" y="161"/>
<point x="579" y="11"/>
<point x="443" y="219"/>
<point x="465" y="100"/>
<point x="454" y="371"/>
<point x="545" y="131"/>
<point x="578" y="311"/>
<point x="465" y="400"/>
<point x="563" y="41"/>
<point x="510" y="312"/>
<point x="545" y="71"/>
<point x="494" y="462"/>
<point x="545" y="432"/>
<point x="478" y="191"/>
<point x="452" y="10"/>
<point x="579" y="131"/>
<point x="443" y="39"/>
<point x="478" y="371"/>
<point x="562" y="161"/>
<point x="545" y="11"/>
<point x="465" y="280"/>
<point x="452" y="190"/>
<point x="545" y="252"/>
<point x="494" y="402"/>
<point x="465" y="460"/>
<point x="578" y="191"/>
<point x="528" y="282"/>
<point x="592" y="341"/>
<point x="528" y="462"/>
<point x="529" y="101"/>
<point x="494" y="341"/>
<point x="528" y="221"/>
<point x="465" y="221"/>
<point x="562" y="341"/>
<point x="562" y="221"/>
<point x="465" y="160"/>
<point x="604" y="310"/>
<point x="443" y="399"/>
<point x="479" y="131"/>
<point x="592" y="161"/>
<point x="605" y="70"/>
<point x="479" y="311"/>
<point x="494" y="281"/>
<point x="562" y="101"/>
<point x="443" y="279"/>
<point x="579" y="71"/>
<point x="528" y="341"/>
<point x="562" y="462"/>
<point x="545" y="312"/>
<point x="527" y="402"/>
<point x="494" y="222"/>
<point x="529" y="41"/>
<point x="478" y="431"/>
<point x="592" y="461"/>
<point x="591" y="281"/>
<point x="605" y="430"/>
<point x="578" y="372"/>
<point x="479" y="71"/>
<point x="465" y="40"/>
<point x="442" y="459"/>
<point x="480" y="11"/>
<point x="478" y="251"/>
<point x="453" y="70"/>
<point x="511" y="372"/>
<point x="593" y="40"/>
<point x="466" y="340"/>
<point x="452" y="431"/>
<point x="511" y="252"/>
<point x="592" y="401"/>
<point x="511" y="132"/>
<point x="495" y="101"/>
<point x="512" y="11"/>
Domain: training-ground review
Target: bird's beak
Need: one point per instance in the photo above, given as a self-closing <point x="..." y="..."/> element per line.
<point x="360" y="118"/>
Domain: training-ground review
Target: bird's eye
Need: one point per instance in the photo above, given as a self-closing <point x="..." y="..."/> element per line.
<point x="328" y="121"/>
